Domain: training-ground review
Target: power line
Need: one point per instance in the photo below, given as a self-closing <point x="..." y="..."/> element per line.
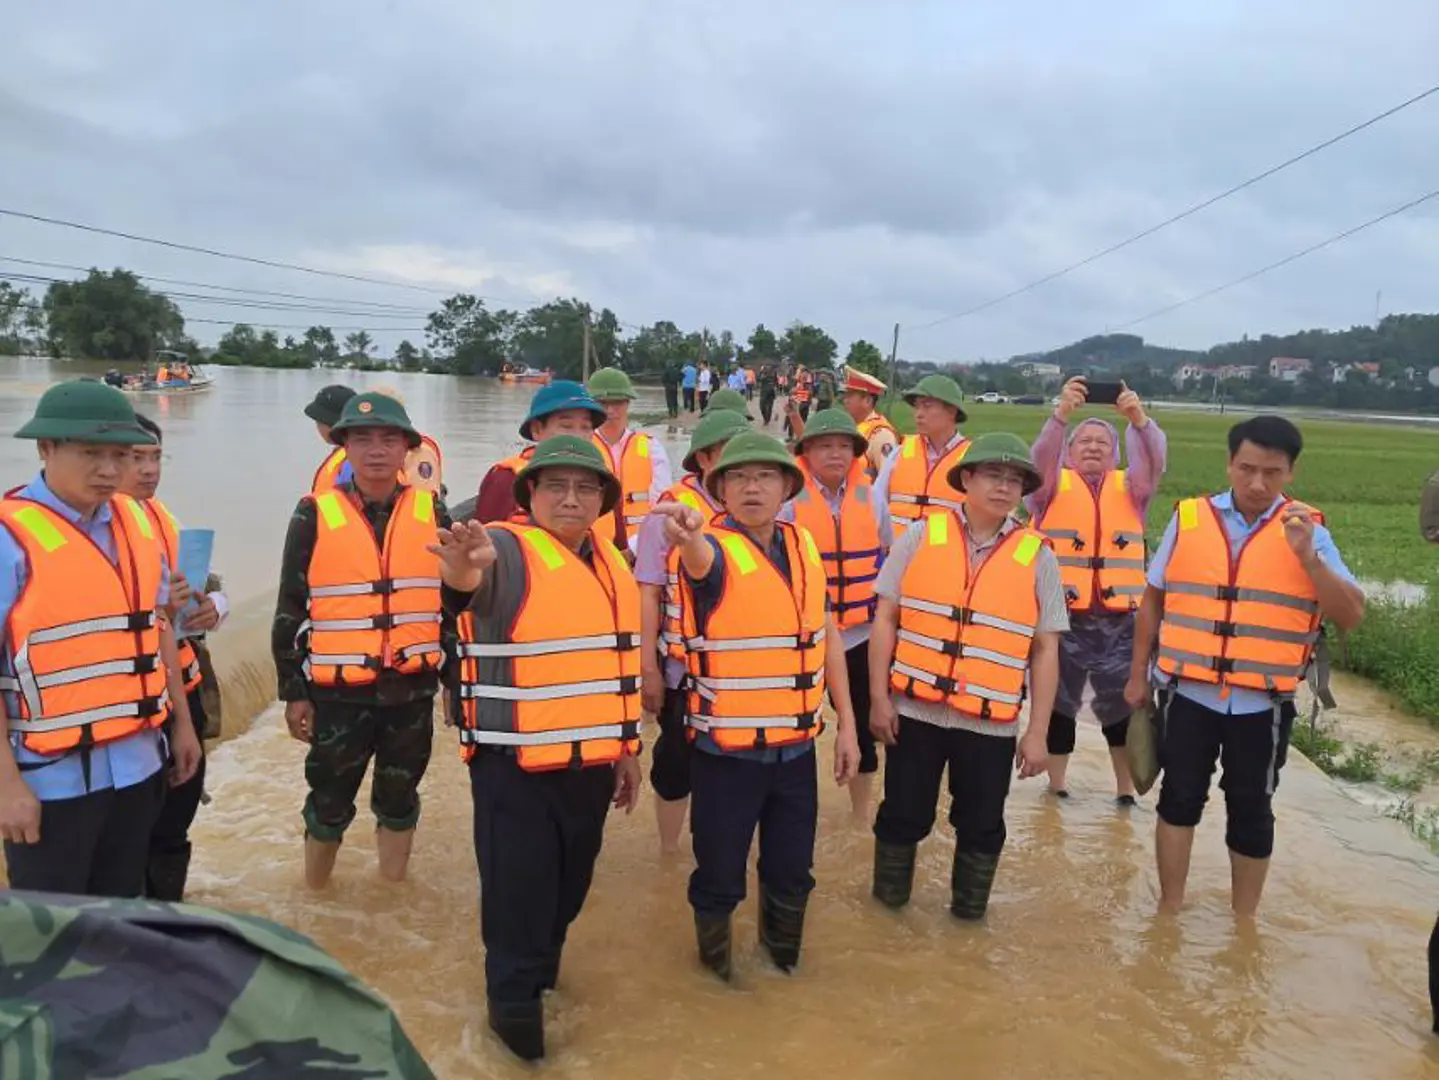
<point x="377" y="304"/>
<point x="1196" y="208"/>
<point x="272" y="263"/>
<point x="1329" y="241"/>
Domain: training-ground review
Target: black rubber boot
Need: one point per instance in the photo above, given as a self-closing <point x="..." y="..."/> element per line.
<point x="713" y="934"/>
<point x="893" y="873"/>
<point x="165" y="875"/>
<point x="970" y="883"/>
<point x="781" y="927"/>
<point x="520" y="1026"/>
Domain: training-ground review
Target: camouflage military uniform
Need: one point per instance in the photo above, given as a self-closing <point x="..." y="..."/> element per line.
<point x="390" y="720"/>
<point x="767" y="388"/>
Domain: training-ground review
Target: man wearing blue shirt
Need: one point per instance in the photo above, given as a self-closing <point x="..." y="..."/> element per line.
<point x="1234" y="597"/>
<point x="688" y="375"/>
<point x="81" y="772"/>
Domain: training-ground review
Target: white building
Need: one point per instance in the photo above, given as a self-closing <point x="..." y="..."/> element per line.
<point x="1289" y="368"/>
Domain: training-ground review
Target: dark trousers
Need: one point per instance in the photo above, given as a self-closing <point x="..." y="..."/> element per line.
<point x="766" y="405"/>
<point x="689" y="395"/>
<point x="704" y="396"/>
<point x="346" y="737"/>
<point x="537" y="836"/>
<point x="672" y="400"/>
<point x="93" y="845"/>
<point x="1434" y="975"/>
<point x="670" y="764"/>
<point x="1251" y="747"/>
<point x="1063" y="730"/>
<point x="979" y="770"/>
<point x="171" y="834"/>
<point x="732" y="796"/>
<point x="856" y="662"/>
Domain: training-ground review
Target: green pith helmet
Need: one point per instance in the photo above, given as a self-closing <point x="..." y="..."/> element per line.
<point x="87" y="411"/>
<point x="329" y="403"/>
<point x="728" y="399"/>
<point x="997" y="447"/>
<point x="610" y="384"/>
<point x="832" y="422"/>
<point x="754" y="448"/>
<point x="941" y="388"/>
<point x="374" y="410"/>
<point x="714" y="428"/>
<point x="569" y="452"/>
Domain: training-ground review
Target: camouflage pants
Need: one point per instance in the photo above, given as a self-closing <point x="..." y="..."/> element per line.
<point x="346" y="737"/>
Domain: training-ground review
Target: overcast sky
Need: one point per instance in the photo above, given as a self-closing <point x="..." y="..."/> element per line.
<point x="848" y="162"/>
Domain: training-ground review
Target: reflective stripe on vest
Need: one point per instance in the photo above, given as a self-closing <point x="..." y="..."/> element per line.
<point x="83" y="640"/>
<point x="636" y="473"/>
<point x="1250" y="621"/>
<point x="916" y="490"/>
<point x="1099" y="542"/>
<point x="848" y="542"/>
<point x="372" y="606"/>
<point x="326" y="476"/>
<point x="562" y="688"/>
<point x="692" y="493"/>
<point x="757" y="664"/>
<point x="965" y="635"/>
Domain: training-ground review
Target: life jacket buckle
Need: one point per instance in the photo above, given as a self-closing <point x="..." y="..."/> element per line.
<point x="804" y="721"/>
<point x="805" y="680"/>
<point x="384" y="621"/>
<point x="629" y="684"/>
<point x="383" y="587"/>
<point x="1226" y="629"/>
<point x="946" y="685"/>
<point x="1224" y="665"/>
<point x="141" y="620"/>
<point x="148" y="707"/>
<point x="949" y="648"/>
<point x="147" y="665"/>
<point x="1227" y="593"/>
<point x="625" y="640"/>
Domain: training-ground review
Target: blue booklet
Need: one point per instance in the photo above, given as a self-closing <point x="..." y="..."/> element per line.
<point x="196" y="546"/>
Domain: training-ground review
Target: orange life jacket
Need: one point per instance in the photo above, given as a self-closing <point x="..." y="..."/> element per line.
<point x="1099" y="542"/>
<point x="965" y="635"/>
<point x="636" y="473"/>
<point x="326" y="476"/>
<point x="370" y="607"/>
<point x="515" y="463"/>
<point x="848" y="542"/>
<point x="873" y="423"/>
<point x="916" y="490"/>
<point x="83" y="639"/>
<point x="1251" y="620"/>
<point x="170" y="536"/>
<point x="691" y="492"/>
<point x="803" y="387"/>
<point x="573" y="659"/>
<point x="756" y="666"/>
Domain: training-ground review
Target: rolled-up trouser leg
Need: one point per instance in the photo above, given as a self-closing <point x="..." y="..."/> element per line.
<point x="1254" y="751"/>
<point x="670" y="763"/>
<point x="1190" y="737"/>
<point x="341" y="746"/>
<point x="1061" y="733"/>
<point x="404" y="737"/>
<point x="856" y="662"/>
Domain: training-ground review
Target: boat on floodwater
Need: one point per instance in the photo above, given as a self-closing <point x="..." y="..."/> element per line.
<point x="523" y="373"/>
<point x="172" y="373"/>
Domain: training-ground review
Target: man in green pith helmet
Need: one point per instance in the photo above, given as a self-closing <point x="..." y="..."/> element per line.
<point x="640" y="462"/>
<point x="663" y="653"/>
<point x="358" y="638"/>
<point x="549" y="664"/>
<point x="729" y="399"/>
<point x="90" y="679"/>
<point x="914" y="482"/>
<point x="950" y="653"/>
<point x="761" y="650"/>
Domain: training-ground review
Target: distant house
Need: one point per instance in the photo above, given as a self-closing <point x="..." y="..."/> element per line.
<point x="1244" y="372"/>
<point x="1289" y="368"/>
<point x="1191" y="373"/>
<point x="1039" y="371"/>
<point x="1341" y="371"/>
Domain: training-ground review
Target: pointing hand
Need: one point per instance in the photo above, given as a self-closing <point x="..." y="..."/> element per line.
<point x="466" y="551"/>
<point x="682" y="523"/>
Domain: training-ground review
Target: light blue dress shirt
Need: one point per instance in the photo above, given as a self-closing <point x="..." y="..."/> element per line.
<point x="119" y="764"/>
<point x="1238" y="700"/>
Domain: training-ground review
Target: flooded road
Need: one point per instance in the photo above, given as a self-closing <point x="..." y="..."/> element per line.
<point x="1072" y="975"/>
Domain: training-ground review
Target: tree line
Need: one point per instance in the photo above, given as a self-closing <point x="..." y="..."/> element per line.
<point x="114" y="316"/>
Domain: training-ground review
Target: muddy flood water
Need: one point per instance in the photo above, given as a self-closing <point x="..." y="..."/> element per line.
<point x="1072" y="975"/>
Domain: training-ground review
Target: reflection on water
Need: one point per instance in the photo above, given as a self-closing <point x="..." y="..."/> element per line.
<point x="1072" y="976"/>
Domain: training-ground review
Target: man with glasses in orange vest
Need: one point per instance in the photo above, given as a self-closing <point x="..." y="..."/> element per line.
<point x="89" y="674"/>
<point x="638" y="461"/>
<point x="662" y="656"/>
<point x="1231" y="620"/>
<point x="761" y="650"/>
<point x="1093" y="512"/>
<point x="968" y="623"/>
<point x="549" y="676"/>
<point x="358" y="639"/>
<point x="325" y="411"/>
<point x="169" y="864"/>
<point x="836" y="505"/>
<point x="914" y="480"/>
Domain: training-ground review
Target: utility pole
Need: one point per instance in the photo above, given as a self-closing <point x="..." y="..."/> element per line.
<point x="704" y="344"/>
<point x="894" y="362"/>
<point x="1377" y="297"/>
<point x="585" y="361"/>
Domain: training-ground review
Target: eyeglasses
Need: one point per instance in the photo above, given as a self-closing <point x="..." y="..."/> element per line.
<point x="743" y="478"/>
<point x="1000" y="477"/>
<point x="558" y="489"/>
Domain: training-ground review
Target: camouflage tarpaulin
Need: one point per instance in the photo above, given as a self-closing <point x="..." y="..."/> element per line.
<point x="139" y="990"/>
